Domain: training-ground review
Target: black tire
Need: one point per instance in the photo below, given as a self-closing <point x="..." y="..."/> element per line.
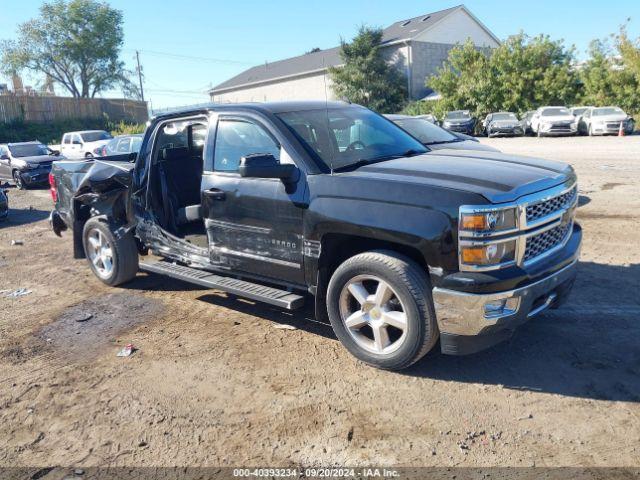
<point x="17" y="180"/>
<point x="412" y="288"/>
<point x="124" y="253"/>
<point x="88" y="155"/>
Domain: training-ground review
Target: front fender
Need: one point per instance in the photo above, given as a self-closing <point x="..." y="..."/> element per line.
<point x="425" y="229"/>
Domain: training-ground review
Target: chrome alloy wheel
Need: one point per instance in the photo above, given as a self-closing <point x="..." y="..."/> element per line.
<point x="373" y="314"/>
<point x="100" y="253"/>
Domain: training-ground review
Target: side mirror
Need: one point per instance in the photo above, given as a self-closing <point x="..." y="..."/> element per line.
<point x="55" y="153"/>
<point x="265" y="165"/>
<point x="132" y="157"/>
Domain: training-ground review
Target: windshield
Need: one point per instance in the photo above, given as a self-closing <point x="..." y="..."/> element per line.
<point x="555" y="112"/>
<point x="341" y="137"/>
<point x="598" y="112"/>
<point x="29" y="150"/>
<point x="457" y="115"/>
<point x="425" y="131"/>
<point x="95" y="136"/>
<point x="504" y="116"/>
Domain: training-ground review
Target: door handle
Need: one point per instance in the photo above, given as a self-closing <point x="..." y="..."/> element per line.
<point x="215" y="194"/>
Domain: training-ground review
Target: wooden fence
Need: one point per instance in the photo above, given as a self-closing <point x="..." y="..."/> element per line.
<point x="45" y="109"/>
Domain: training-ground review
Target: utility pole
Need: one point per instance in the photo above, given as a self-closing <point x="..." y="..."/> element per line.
<point x="140" y="75"/>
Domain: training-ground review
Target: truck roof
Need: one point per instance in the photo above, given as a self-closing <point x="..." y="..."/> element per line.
<point x="271" y="107"/>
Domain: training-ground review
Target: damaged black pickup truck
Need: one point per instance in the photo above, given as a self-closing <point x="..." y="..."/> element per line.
<point x="399" y="246"/>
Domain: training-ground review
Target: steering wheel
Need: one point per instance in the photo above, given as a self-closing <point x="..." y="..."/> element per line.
<point x="352" y="145"/>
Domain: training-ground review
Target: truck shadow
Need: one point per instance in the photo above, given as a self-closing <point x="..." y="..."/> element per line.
<point x="19" y="217"/>
<point x="588" y="348"/>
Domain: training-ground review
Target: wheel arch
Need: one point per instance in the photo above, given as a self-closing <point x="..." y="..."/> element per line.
<point x="337" y="247"/>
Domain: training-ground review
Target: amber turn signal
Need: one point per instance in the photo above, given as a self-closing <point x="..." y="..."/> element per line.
<point x="476" y="222"/>
<point x="474" y="255"/>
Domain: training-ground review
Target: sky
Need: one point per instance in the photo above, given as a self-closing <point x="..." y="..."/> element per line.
<point x="187" y="46"/>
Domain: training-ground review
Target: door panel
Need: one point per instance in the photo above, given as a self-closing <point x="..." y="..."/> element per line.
<point x="254" y="225"/>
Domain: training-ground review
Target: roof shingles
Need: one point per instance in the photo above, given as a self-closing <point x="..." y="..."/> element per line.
<point x="318" y="61"/>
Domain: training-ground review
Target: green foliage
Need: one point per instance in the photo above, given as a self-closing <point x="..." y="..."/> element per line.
<point x="612" y="76"/>
<point x="366" y="78"/>
<point x="76" y="44"/>
<point x="123" y="128"/>
<point x="421" y="107"/>
<point x="521" y="74"/>
<point x="51" y="132"/>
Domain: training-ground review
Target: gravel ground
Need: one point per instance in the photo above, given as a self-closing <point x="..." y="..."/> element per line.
<point x="214" y="382"/>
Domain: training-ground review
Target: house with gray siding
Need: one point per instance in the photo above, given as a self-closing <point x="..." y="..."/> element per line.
<point x="417" y="46"/>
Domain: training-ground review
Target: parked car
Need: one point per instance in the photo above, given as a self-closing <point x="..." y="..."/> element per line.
<point x="429" y="117"/>
<point x="459" y="121"/>
<point x="525" y="122"/>
<point x="578" y="111"/>
<point x="605" y="121"/>
<point x="549" y="121"/>
<point x="26" y="163"/>
<point x="83" y="144"/>
<point x="120" y="145"/>
<point x="401" y="247"/>
<point x="435" y="137"/>
<point x="4" y="204"/>
<point x="502" y="123"/>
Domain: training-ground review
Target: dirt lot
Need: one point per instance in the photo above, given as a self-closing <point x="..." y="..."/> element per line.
<point x="215" y="383"/>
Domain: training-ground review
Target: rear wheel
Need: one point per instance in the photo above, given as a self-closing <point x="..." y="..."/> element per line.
<point x="380" y="307"/>
<point x="113" y="260"/>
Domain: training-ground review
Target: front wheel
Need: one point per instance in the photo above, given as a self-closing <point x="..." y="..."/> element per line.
<point x="17" y="180"/>
<point x="113" y="260"/>
<point x="380" y="308"/>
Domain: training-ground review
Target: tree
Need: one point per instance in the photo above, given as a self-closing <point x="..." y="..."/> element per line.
<point x="519" y="75"/>
<point x="366" y="78"/>
<point x="75" y="43"/>
<point x="611" y="75"/>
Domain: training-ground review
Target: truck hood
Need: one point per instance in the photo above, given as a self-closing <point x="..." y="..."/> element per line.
<point x="462" y="145"/>
<point x="496" y="176"/>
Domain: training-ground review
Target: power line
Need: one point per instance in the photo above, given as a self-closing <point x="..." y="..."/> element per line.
<point x="179" y="56"/>
<point x="168" y="90"/>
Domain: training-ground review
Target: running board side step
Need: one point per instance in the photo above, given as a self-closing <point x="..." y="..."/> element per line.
<point x="241" y="288"/>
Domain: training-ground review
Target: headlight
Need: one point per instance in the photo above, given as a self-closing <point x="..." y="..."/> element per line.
<point x="489" y="221"/>
<point x="489" y="254"/>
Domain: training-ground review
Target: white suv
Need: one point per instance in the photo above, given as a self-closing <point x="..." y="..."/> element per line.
<point x="83" y="144"/>
<point x="554" y="121"/>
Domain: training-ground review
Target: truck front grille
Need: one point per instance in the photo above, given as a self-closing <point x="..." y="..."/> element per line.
<point x="545" y="241"/>
<point x="541" y="209"/>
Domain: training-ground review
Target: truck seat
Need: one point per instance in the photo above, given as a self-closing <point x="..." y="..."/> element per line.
<point x="181" y="169"/>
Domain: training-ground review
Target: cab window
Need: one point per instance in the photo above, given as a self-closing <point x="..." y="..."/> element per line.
<point x="239" y="138"/>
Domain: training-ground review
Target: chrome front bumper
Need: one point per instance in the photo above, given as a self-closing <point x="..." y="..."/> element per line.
<point x="461" y="313"/>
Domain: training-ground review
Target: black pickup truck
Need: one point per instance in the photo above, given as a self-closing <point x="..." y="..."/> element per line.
<point x="399" y="246"/>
